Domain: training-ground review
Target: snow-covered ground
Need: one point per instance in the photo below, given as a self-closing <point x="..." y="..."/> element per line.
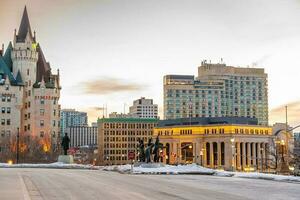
<point x="195" y="169"/>
<point x="256" y="175"/>
<point x="161" y="169"/>
<point x="56" y="165"/>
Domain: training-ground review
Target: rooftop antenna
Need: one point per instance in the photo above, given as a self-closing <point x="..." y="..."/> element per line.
<point x="106" y="111"/>
<point x="103" y="111"/>
<point x="124" y="108"/>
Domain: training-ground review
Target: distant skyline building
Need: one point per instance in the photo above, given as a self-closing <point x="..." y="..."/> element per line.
<point x="144" y="108"/>
<point x="119" y="115"/>
<point x="218" y="91"/>
<point x="71" y="117"/>
<point x="94" y="124"/>
<point x="82" y="136"/>
<point x="141" y="108"/>
<point x="29" y="91"/>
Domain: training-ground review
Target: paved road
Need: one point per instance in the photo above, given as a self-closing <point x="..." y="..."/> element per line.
<point x="84" y="184"/>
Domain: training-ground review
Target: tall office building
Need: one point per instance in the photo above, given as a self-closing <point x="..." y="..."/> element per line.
<point x="71" y="117"/>
<point x="218" y="91"/>
<point x="143" y="108"/>
<point x="29" y="91"/>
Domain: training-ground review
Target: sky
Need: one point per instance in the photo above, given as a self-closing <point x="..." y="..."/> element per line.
<point x="111" y="52"/>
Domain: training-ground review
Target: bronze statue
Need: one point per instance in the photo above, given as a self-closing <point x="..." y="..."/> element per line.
<point x="156" y="150"/>
<point x="65" y="143"/>
<point x="149" y="150"/>
<point x="141" y="150"/>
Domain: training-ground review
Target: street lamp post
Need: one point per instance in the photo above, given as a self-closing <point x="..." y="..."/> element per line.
<point x="262" y="159"/>
<point x="201" y="156"/>
<point x="282" y="143"/>
<point x="18" y="143"/>
<point x="123" y="156"/>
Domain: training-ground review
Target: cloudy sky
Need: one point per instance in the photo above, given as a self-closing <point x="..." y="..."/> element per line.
<point x="114" y="51"/>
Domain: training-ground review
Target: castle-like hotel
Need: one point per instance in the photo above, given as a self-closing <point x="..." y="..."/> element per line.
<point x="29" y="91"/>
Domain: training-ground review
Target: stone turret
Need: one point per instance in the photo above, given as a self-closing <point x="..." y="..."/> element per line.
<point x="24" y="54"/>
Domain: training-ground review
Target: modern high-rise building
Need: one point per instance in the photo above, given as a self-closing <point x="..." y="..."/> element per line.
<point x="71" y="117"/>
<point x="29" y="91"/>
<point x="143" y="108"/>
<point x="218" y="91"/>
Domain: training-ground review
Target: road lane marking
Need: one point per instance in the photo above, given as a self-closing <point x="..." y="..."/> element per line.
<point x="24" y="188"/>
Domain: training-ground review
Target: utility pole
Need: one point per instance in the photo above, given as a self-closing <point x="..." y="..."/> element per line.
<point x="18" y="142"/>
<point x="286" y="132"/>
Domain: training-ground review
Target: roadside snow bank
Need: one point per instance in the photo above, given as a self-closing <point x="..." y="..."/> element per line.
<point x="56" y="165"/>
<point x="267" y="176"/>
<point x="256" y="175"/>
<point x="154" y="168"/>
<point x="158" y="168"/>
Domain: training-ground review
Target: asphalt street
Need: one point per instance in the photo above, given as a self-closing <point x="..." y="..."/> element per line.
<point x="31" y="184"/>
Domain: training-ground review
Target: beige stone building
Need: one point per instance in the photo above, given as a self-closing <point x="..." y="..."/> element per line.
<point x="226" y="143"/>
<point x="29" y="91"/>
<point x="119" y="136"/>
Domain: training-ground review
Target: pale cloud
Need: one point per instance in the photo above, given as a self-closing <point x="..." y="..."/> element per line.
<point x="107" y="85"/>
<point x="158" y="38"/>
<point x="98" y="108"/>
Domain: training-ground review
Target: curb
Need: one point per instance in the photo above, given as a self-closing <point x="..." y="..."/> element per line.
<point x="32" y="167"/>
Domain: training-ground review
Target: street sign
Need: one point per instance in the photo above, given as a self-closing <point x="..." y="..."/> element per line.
<point x="131" y="155"/>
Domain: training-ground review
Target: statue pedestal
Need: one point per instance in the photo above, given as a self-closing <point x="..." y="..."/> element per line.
<point x="66" y="159"/>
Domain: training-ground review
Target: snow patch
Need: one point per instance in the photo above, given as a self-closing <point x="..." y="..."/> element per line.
<point x="161" y="169"/>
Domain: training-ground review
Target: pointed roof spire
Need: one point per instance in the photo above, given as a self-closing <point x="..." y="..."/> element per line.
<point x="43" y="67"/>
<point x="24" y="27"/>
<point x="5" y="69"/>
